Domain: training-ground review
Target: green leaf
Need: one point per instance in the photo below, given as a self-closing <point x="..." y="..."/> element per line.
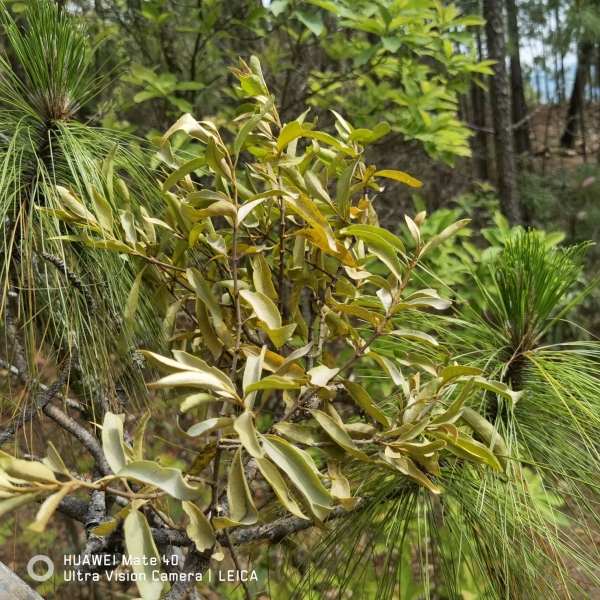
<point x="182" y="171"/>
<point x="102" y="209"/>
<point x="138" y="438"/>
<point x="112" y="441"/>
<point x="338" y="434"/>
<point x="244" y="426"/>
<point x="454" y="371"/>
<point x="415" y="336"/>
<point x="442" y="237"/>
<point x="241" y="508"/>
<point x="129" y="314"/>
<point x="399" y="176"/>
<point x="295" y="465"/>
<point x="146" y="559"/>
<point x="54" y="461"/>
<point x="250" y="124"/>
<point x="273" y="382"/>
<point x="307" y="209"/>
<point x="343" y="190"/>
<point x="11" y="504"/>
<point x="25" y="470"/>
<point x="365" y="401"/>
<point x="497" y="387"/>
<point x="166" y="478"/>
<point x="277" y="483"/>
<point x="488" y="433"/>
<point x="367" y="232"/>
<point x="262" y="277"/>
<point x="206" y="427"/>
<point x="311" y="20"/>
<point x="321" y="375"/>
<point x="264" y="308"/>
<point x="48" y="508"/>
<point x="294" y="130"/>
<point x="199" y="530"/>
<point x="195" y="379"/>
<point x="203" y="292"/>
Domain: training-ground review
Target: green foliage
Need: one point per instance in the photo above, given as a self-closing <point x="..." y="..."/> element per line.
<point x="243" y="254"/>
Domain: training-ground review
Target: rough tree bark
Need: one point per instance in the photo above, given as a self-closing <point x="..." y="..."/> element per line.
<point x="519" y="107"/>
<point x="577" y="101"/>
<point x="501" y="113"/>
<point x="479" y="142"/>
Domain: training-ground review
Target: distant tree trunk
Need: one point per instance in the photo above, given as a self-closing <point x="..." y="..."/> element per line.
<point x="501" y="113"/>
<point x="479" y="142"/>
<point x="519" y="106"/>
<point x="577" y="101"/>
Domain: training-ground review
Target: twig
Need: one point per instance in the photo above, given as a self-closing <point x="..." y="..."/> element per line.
<point x="236" y="561"/>
<point x="61" y="266"/>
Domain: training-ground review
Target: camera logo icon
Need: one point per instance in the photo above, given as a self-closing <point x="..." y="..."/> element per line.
<point x="34" y="561"/>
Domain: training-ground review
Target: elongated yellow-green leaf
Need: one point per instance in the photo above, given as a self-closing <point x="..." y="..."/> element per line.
<point x="338" y="434"/>
<point x="199" y="530"/>
<point x="244" y="426"/>
<point x="193" y="362"/>
<point x="252" y="374"/>
<point x="399" y="176"/>
<point x="54" y="461"/>
<point x="142" y="549"/>
<point x="415" y="336"/>
<point x="442" y="237"/>
<point x="364" y="232"/>
<point x="102" y="209"/>
<point x="25" y="470"/>
<point x="264" y="308"/>
<point x="138" y="438"/>
<point x="241" y="508"/>
<point x="322" y="375"/>
<point x="206" y="427"/>
<point x="166" y="478"/>
<point x="195" y="401"/>
<point x="105" y="528"/>
<point x="468" y="449"/>
<point x="488" y="433"/>
<point x="74" y="205"/>
<point x="277" y="483"/>
<point x="495" y="386"/>
<point x="250" y="124"/>
<point x="295" y="465"/>
<point x="307" y="209"/>
<point x="305" y="434"/>
<point x="203" y="292"/>
<point x="194" y="379"/>
<point x="274" y="382"/>
<point x="209" y="335"/>
<point x="129" y="314"/>
<point x="11" y="504"/>
<point x="262" y="278"/>
<point x="112" y="441"/>
<point x="365" y="401"/>
<point x="294" y="130"/>
<point x="315" y="187"/>
<point x="182" y="171"/>
<point x="454" y="371"/>
<point x="48" y="508"/>
<point x="318" y="238"/>
<point x="381" y="247"/>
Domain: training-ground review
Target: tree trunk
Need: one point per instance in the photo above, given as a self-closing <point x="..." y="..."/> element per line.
<point x="479" y="142"/>
<point x="501" y="113"/>
<point x="519" y="106"/>
<point x="577" y="101"/>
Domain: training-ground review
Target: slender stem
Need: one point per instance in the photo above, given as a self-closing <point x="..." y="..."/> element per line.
<point x="238" y="564"/>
